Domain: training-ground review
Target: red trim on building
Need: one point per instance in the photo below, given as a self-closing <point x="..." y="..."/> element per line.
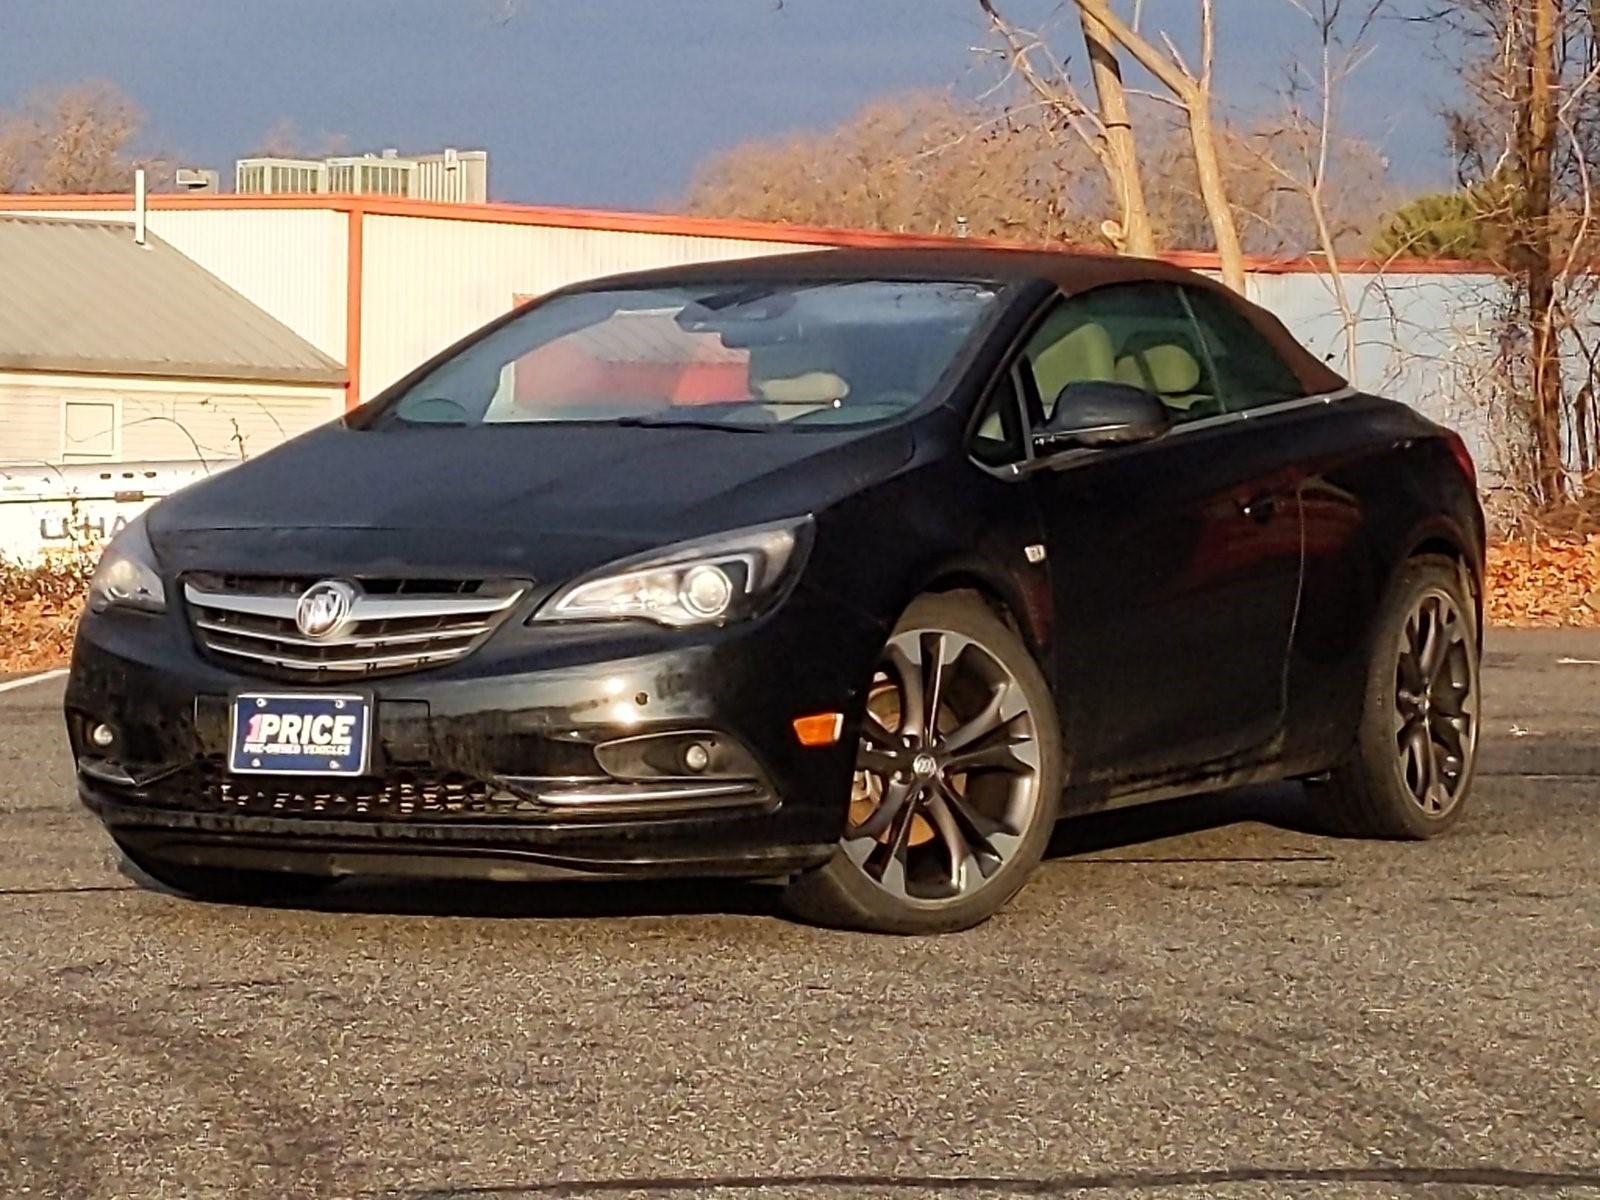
<point x="353" y="266"/>
<point x="706" y="227"/>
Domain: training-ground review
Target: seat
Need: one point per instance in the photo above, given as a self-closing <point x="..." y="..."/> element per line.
<point x="1171" y="371"/>
<point x="1085" y="354"/>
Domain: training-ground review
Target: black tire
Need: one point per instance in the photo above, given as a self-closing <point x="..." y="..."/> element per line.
<point x="224" y="885"/>
<point x="1381" y="789"/>
<point x="999" y="788"/>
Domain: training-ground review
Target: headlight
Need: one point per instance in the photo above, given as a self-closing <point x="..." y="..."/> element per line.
<point x="709" y="581"/>
<point x="126" y="576"/>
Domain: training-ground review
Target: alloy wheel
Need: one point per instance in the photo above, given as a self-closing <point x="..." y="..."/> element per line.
<point x="1436" y="703"/>
<point x="948" y="774"/>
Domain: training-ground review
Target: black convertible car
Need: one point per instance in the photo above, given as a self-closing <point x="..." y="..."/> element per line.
<point x="850" y="570"/>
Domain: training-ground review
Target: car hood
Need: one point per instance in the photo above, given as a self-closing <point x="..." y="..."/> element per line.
<point x="542" y="501"/>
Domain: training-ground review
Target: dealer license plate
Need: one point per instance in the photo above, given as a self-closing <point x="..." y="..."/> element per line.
<point x="278" y="733"/>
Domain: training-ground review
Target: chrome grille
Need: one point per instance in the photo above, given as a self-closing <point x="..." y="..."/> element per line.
<point x="393" y="624"/>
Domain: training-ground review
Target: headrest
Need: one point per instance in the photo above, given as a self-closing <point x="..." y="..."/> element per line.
<point x="1174" y="369"/>
<point x="1166" y="369"/>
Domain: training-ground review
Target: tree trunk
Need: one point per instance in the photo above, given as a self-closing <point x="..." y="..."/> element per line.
<point x="1536" y="137"/>
<point x="1193" y="92"/>
<point x="1214" y="191"/>
<point x="1137" y="235"/>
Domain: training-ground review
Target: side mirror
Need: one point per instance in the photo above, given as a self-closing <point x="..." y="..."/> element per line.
<point x="1092" y="413"/>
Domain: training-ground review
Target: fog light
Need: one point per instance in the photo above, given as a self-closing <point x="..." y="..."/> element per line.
<point x="696" y="758"/>
<point x="102" y="735"/>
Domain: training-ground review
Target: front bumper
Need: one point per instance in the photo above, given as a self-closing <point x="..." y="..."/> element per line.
<point x="489" y="767"/>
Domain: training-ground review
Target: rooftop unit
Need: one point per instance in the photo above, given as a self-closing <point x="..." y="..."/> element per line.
<point x="450" y="176"/>
<point x="275" y="176"/>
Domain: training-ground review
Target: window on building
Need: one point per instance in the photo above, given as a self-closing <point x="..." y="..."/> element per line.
<point x="89" y="430"/>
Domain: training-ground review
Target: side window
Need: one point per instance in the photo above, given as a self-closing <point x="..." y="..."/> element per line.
<point x="1134" y="333"/>
<point x="1248" y="370"/>
<point x="999" y="438"/>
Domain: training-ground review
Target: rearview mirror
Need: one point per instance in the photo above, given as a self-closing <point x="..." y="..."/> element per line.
<point x="1093" y="413"/>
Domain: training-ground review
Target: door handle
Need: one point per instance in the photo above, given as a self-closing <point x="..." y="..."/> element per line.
<point x="1260" y="508"/>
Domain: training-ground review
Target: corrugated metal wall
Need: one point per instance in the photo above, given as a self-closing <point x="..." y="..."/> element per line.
<point x="291" y="263"/>
<point x="1424" y="339"/>
<point x="428" y="282"/>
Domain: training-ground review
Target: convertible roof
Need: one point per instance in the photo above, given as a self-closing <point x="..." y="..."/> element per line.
<point x="1069" y="272"/>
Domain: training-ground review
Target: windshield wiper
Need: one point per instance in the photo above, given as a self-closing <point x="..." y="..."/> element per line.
<point x="666" y="420"/>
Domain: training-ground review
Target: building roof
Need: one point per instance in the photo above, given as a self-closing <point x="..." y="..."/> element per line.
<point x="81" y="296"/>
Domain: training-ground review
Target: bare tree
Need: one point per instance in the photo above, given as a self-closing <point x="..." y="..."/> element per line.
<point x="1191" y="89"/>
<point x="1272" y="217"/>
<point x="73" y="140"/>
<point x="923" y="163"/>
<point x="1300" y="153"/>
<point x="284" y="139"/>
<point x="1106" y="131"/>
<point x="1524" y="146"/>
<point x="15" y="139"/>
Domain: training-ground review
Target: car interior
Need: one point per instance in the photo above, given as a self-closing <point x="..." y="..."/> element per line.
<point x="1144" y="339"/>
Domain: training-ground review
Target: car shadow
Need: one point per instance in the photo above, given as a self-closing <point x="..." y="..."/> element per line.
<point x="551" y="901"/>
<point x="404" y="897"/>
<point x="1284" y="806"/>
<point x="1288" y="807"/>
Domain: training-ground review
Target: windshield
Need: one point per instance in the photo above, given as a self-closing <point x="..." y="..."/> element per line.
<point x="739" y="356"/>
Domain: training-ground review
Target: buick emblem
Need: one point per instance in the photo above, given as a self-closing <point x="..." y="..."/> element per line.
<point x="324" y="608"/>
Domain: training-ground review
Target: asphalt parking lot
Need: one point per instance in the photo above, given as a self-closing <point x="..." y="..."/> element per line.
<point x="1206" y="998"/>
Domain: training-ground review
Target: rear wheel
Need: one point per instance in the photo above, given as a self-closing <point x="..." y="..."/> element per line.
<point x="225" y="885"/>
<point x="958" y="780"/>
<point x="1411" y="768"/>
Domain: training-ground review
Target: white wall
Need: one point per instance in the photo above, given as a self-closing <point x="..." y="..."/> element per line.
<point x="288" y="262"/>
<point x="159" y="419"/>
<point x="1424" y="339"/>
<point x="59" y="510"/>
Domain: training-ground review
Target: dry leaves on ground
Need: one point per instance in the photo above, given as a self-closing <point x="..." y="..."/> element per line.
<point x="1545" y="581"/>
<point x="36" y="634"/>
<point x="39" y="609"/>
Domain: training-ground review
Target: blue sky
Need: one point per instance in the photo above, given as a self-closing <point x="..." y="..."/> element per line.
<point x="609" y="102"/>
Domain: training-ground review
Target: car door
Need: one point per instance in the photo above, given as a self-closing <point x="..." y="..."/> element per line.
<point x="1175" y="563"/>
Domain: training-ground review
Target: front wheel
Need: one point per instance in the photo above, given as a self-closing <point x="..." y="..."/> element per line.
<point x="1410" y="770"/>
<point x="957" y="783"/>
